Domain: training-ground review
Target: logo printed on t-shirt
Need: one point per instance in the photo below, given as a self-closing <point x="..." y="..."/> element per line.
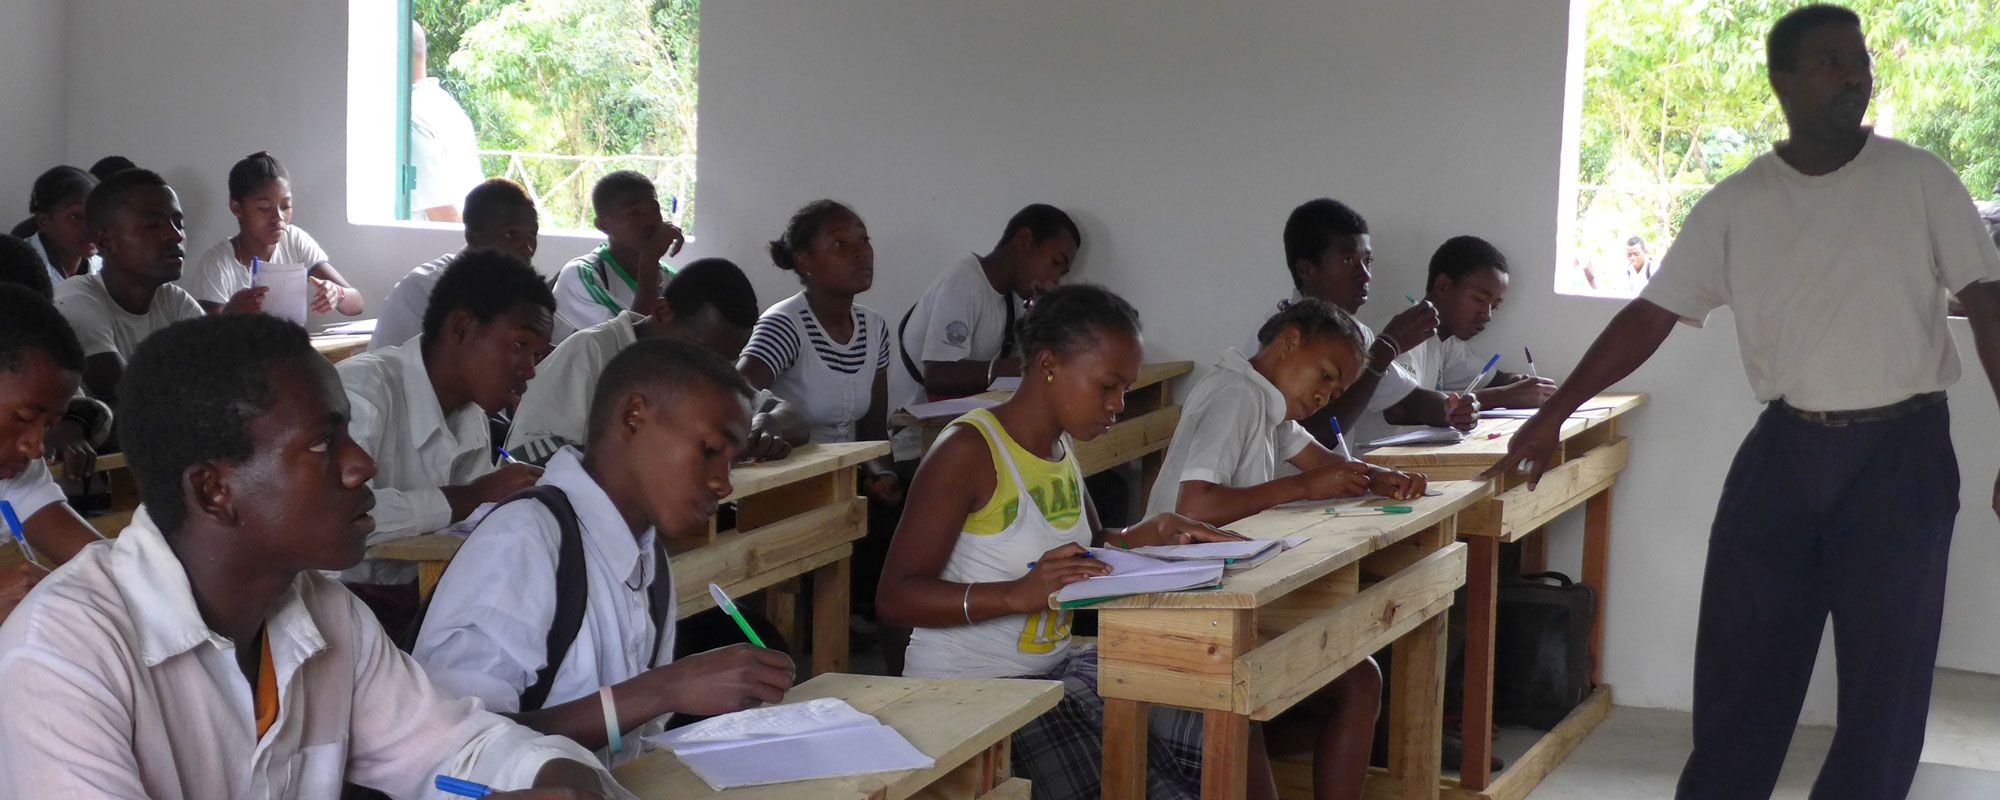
<point x="955" y="334"/>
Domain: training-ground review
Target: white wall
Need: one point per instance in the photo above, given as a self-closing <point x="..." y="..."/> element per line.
<point x="1180" y="134"/>
<point x="31" y="128"/>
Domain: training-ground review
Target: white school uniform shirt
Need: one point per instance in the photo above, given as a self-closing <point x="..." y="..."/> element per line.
<point x="216" y="275"/>
<point x="102" y="326"/>
<point x="32" y="490"/>
<point x="555" y="411"/>
<point x="1233" y="432"/>
<point x="444" y="148"/>
<point x="93" y="265"/>
<point x="402" y="315"/>
<point x="961" y="317"/>
<point x="1396" y="383"/>
<point x="116" y="688"/>
<point x="487" y="645"/>
<point x="1447" y="365"/>
<point x="418" y="449"/>
<point x="831" y="383"/>
<point x="1838" y="281"/>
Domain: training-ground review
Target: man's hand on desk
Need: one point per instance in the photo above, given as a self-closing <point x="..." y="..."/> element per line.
<point x="1533" y="445"/>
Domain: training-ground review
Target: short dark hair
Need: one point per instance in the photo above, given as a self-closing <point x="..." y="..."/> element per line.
<point x="1781" y="50"/>
<point x="1072" y="316"/>
<point x="714" y="282"/>
<point x="1314" y="318"/>
<point x="185" y="422"/>
<point x="251" y="173"/>
<point x="28" y="321"/>
<point x="488" y="283"/>
<point x="671" y="364"/>
<point x="494" y="201"/>
<point x="111" y="165"/>
<point x="1043" y="222"/>
<point x="58" y="186"/>
<point x="21" y="266"/>
<point x="800" y="230"/>
<point x="618" y="188"/>
<point x="1636" y="241"/>
<point x="1460" y="256"/>
<point x="110" y="193"/>
<point x="1313" y="226"/>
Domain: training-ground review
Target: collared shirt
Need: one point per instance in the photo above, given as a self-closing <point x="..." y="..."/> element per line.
<point x="555" y="411"/>
<point x="94" y="265"/>
<point x="1233" y="432"/>
<point x="116" y="688"/>
<point x="1396" y="383"/>
<point x="486" y="644"/>
<point x="418" y="448"/>
<point x="1838" y="281"/>
<point x="592" y="288"/>
<point x="402" y="316"/>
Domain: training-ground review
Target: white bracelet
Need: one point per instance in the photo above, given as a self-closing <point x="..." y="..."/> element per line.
<point x="967" y="604"/>
<point x="610" y="719"/>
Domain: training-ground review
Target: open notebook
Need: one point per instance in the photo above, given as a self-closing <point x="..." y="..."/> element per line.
<point x="1235" y="556"/>
<point x="824" y="738"/>
<point x="1132" y="573"/>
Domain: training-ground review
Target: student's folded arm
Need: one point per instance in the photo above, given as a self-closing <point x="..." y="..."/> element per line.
<point x="351" y="302"/>
<point x="958" y="378"/>
<point x="57" y="532"/>
<point x="955" y="479"/>
<point x="401" y="513"/>
<point x="66" y="731"/>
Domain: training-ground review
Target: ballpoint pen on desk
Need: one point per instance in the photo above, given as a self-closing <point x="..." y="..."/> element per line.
<point x="1340" y="438"/>
<point x="1370" y="511"/>
<point x="462" y="787"/>
<point x="20" y="537"/>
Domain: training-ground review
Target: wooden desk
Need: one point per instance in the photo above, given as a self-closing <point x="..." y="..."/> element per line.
<point x="340" y="347"/>
<point x="964" y="724"/>
<point x="794" y="518"/>
<point x="1274" y="634"/>
<point x="1588" y="462"/>
<point x="1142" y="432"/>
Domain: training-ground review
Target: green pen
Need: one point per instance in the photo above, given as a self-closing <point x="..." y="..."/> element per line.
<point x="1410" y="297"/>
<point x="1375" y="511"/>
<point x="722" y="602"/>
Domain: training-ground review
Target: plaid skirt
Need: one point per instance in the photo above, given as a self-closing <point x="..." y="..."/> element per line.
<point x="1062" y="751"/>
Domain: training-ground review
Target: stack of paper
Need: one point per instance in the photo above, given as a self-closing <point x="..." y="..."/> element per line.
<point x="825" y="738"/>
<point x="1132" y="573"/>
<point x="288" y="290"/>
<point x="364" y="326"/>
<point x="1235" y="556"/>
<point x="1421" y="436"/>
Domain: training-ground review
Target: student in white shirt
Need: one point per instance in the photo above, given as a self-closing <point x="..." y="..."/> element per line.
<point x="959" y="335"/>
<point x="86" y="425"/>
<point x="1239" y="425"/>
<point x="41" y="365"/>
<point x="135" y="218"/>
<point x="708" y="302"/>
<point x="260" y="196"/>
<point x="199" y="655"/>
<point x="626" y="271"/>
<point x="669" y="420"/>
<point x="498" y="214"/>
<point x="420" y="409"/>
<point x="1467" y="282"/>
<point x="60" y="230"/>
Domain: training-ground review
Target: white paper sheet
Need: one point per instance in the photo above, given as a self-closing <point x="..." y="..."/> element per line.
<point x="354" y="328"/>
<point x="825" y="738"/>
<point x="289" y="290"/>
<point x="949" y="408"/>
<point x="1424" y="436"/>
<point x="1005" y="384"/>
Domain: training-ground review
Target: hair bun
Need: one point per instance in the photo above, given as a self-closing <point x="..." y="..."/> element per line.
<point x="782" y="256"/>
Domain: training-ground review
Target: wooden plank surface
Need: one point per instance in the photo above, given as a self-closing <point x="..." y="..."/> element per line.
<point x="1129" y="439"/>
<point x="805" y="462"/>
<point x="1149" y="375"/>
<point x="1519" y="511"/>
<point x="338" y="348"/>
<point x="1331" y="543"/>
<point x="1480" y="449"/>
<point x="951" y="720"/>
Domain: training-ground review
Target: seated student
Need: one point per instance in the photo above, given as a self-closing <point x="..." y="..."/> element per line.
<point x="260" y="195"/>
<point x="198" y="655"/>
<point x="627" y="271"/>
<point x="40" y="367"/>
<point x="1239" y="424"/>
<point x="85" y="426"/>
<point x="1467" y="282"/>
<point x="420" y="410"/>
<point x="668" y="421"/>
<point x="708" y="302"/>
<point x="959" y="335"/>
<point x="1001" y="490"/>
<point x="58" y="230"/>
<point x="1329" y="255"/>
<point x="135" y="218"/>
<point x="500" y="215"/>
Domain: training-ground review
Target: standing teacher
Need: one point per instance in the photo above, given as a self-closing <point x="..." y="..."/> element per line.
<point x="1837" y="252"/>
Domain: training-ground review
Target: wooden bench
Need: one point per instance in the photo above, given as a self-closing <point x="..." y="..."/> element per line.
<point x="1274" y="634"/>
<point x="795" y="518"/>
<point x="1587" y="464"/>
<point x="964" y="724"/>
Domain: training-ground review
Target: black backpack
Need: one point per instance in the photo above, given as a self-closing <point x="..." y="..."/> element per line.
<point x="572" y="595"/>
<point x="1541" y="664"/>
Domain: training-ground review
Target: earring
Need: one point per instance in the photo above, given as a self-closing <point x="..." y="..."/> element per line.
<point x="1051" y="377"/>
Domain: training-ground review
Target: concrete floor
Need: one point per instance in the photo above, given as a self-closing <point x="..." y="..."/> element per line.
<point x="1638" y="752"/>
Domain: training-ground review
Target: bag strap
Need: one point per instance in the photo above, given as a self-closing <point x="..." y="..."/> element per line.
<point x="572" y="592"/>
<point x="659" y="600"/>
<point x="903" y="346"/>
<point x="1559" y="578"/>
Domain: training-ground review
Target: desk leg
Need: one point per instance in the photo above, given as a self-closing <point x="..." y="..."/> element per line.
<point x="1416" y="710"/>
<point x="829" y="617"/>
<point x="1482" y="582"/>
<point x="1125" y="749"/>
<point x="1597" y="571"/>
<point x="781" y="605"/>
<point x="1225" y="755"/>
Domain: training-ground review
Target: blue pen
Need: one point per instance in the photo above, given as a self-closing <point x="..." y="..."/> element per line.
<point x="253" y="266"/>
<point x="1484" y="373"/>
<point x="462" y="788"/>
<point x="1340" y="438"/>
<point x="504" y="455"/>
<point x="1086" y="554"/>
<point x="20" y="538"/>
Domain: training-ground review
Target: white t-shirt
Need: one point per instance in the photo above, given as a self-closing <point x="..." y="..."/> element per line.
<point x="216" y="275"/>
<point x="402" y="317"/>
<point x="31" y="491"/>
<point x="1446" y="365"/>
<point x="1838" y="281"/>
<point x="102" y="326"/>
<point x="831" y="383"/>
<point x="489" y="645"/>
<point x="959" y="318"/>
<point x="1233" y="432"/>
<point x="94" y="264"/>
<point x="443" y="148"/>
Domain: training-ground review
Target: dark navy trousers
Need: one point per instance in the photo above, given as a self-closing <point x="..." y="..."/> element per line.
<point x="1853" y="521"/>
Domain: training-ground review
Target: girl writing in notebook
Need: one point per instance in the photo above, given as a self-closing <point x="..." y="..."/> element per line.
<point x="998" y="519"/>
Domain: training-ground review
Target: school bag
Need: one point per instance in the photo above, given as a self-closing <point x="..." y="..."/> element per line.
<point x="1541" y="663"/>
